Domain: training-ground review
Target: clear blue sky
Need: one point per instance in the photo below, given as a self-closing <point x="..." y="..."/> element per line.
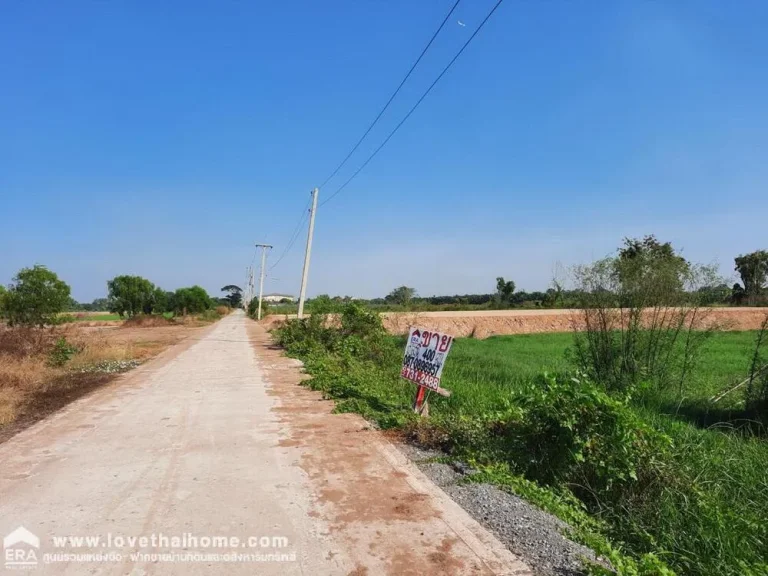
<point x="164" y="138"/>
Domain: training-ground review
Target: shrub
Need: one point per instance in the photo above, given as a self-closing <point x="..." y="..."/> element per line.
<point x="61" y="353"/>
<point x="253" y="308"/>
<point x="35" y="298"/>
<point x="222" y="310"/>
<point x="642" y="316"/>
<point x="572" y="431"/>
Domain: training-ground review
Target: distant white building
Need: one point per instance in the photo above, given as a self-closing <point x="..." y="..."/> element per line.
<point x="277" y="297"/>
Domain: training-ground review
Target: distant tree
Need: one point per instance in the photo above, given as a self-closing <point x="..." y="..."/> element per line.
<point x="3" y="292"/>
<point x="718" y="294"/>
<point x="160" y="301"/>
<point x="753" y="269"/>
<point x="73" y="305"/>
<point x="98" y="305"/>
<point x="504" y="290"/>
<point x="321" y="304"/>
<point x="36" y="296"/>
<point x="737" y="294"/>
<point x="130" y="295"/>
<point x="647" y="268"/>
<point x="235" y="295"/>
<point x="551" y="298"/>
<point x="401" y="295"/>
<point x="192" y="300"/>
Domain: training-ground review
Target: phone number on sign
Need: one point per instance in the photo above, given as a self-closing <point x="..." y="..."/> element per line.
<point x="420" y="378"/>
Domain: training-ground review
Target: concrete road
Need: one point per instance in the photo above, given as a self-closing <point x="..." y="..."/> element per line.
<point x="212" y="460"/>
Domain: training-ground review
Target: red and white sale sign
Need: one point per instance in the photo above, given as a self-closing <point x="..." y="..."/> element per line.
<point x="425" y="354"/>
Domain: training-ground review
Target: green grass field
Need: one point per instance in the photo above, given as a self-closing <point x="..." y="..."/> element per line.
<point x="504" y="359"/>
<point x="706" y="511"/>
<point x="727" y="469"/>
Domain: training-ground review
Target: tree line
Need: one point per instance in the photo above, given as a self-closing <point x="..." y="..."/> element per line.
<point x="752" y="268"/>
<point x="37" y="296"/>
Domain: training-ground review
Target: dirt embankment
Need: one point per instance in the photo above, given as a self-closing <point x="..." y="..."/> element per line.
<point x="485" y="323"/>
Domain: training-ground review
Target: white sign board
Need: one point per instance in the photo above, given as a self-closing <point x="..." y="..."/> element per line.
<point x="425" y="354"/>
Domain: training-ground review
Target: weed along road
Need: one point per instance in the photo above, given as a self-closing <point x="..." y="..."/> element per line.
<point x="210" y="459"/>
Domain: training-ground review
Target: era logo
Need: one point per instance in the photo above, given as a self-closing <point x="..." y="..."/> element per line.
<point x="20" y="549"/>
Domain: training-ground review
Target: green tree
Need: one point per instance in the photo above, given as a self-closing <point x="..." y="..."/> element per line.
<point x="35" y="297"/>
<point x="130" y="295"/>
<point x="192" y="300"/>
<point x="3" y="292"/>
<point x="504" y="290"/>
<point x="234" y="295"/>
<point x="98" y="305"/>
<point x="753" y="269"/>
<point x="646" y="268"/>
<point x="73" y="305"/>
<point x="160" y="301"/>
<point x="401" y="295"/>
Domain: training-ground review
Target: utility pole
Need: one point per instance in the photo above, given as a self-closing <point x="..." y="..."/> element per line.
<point x="249" y="287"/>
<point x="246" y="296"/>
<point x="307" y="254"/>
<point x="264" y="248"/>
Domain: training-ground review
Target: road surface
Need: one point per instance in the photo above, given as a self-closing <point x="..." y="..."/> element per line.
<point x="211" y="460"/>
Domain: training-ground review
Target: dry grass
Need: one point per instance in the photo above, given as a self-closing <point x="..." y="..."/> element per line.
<point x="31" y="388"/>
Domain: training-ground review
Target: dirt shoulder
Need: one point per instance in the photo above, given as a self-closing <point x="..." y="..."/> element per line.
<point x="381" y="510"/>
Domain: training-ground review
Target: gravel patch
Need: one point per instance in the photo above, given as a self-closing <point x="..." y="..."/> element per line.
<point x="534" y="535"/>
<point x="110" y="367"/>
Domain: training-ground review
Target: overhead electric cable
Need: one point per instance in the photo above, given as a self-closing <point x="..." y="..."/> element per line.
<point x="360" y="141"/>
<point x="411" y="111"/>
<point x="294" y="236"/>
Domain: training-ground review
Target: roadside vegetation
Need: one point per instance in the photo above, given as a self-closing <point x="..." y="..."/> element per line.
<point x="50" y="355"/>
<point x="646" y="432"/>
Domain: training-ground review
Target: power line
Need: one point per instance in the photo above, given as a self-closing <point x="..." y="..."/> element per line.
<point x="294" y="236"/>
<point x="411" y="111"/>
<point x="424" y="51"/>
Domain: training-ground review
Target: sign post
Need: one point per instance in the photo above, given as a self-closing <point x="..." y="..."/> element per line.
<point x="423" y="361"/>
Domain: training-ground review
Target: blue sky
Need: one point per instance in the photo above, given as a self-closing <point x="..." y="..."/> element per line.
<point x="164" y="138"/>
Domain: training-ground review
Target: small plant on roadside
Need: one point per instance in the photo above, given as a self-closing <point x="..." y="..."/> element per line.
<point x="61" y="353"/>
<point x="253" y="308"/>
